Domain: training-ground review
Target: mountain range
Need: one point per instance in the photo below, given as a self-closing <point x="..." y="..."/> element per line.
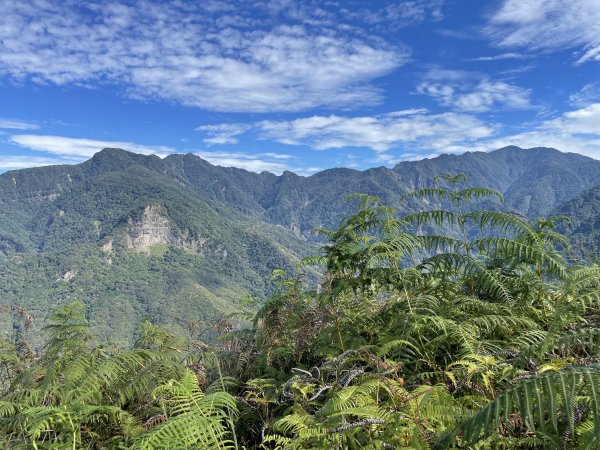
<point x="180" y="241"/>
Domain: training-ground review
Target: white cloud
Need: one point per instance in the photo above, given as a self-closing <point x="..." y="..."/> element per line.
<point x="417" y="134"/>
<point x="65" y="150"/>
<point x="581" y="121"/>
<point x="398" y="14"/>
<point x="590" y="93"/>
<point x="549" y="25"/>
<point x="224" y="133"/>
<point x="574" y="131"/>
<point x="408" y="129"/>
<point x="17" y="124"/>
<point x="227" y="59"/>
<point x="312" y="169"/>
<point x="394" y="137"/>
<point x="472" y="92"/>
<point x="499" y="57"/>
<point x="254" y="162"/>
<point x="463" y="33"/>
<point x="8" y="162"/>
<point x="80" y="148"/>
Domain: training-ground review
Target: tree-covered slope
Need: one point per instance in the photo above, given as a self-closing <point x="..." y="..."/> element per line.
<point x="533" y="181"/>
<point x="120" y="234"/>
<point x="414" y="340"/>
<point x="179" y="239"/>
<point x="583" y="210"/>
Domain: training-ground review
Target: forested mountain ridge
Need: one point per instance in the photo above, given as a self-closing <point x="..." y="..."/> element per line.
<point x="177" y="237"/>
<point x="119" y="233"/>
<point x="583" y="210"/>
<point x="533" y="181"/>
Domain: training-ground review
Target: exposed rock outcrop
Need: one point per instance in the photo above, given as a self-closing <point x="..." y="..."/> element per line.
<point x="155" y="228"/>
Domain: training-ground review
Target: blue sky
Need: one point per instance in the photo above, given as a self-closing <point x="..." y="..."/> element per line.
<point x="302" y="86"/>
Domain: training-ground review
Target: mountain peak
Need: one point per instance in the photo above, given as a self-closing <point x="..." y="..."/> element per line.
<point x="116" y="154"/>
<point x="112" y="151"/>
<point x="219" y="231"/>
<point x="509" y="148"/>
<point x="109" y="159"/>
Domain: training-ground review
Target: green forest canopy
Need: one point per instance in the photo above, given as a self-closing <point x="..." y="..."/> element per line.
<point x="420" y="336"/>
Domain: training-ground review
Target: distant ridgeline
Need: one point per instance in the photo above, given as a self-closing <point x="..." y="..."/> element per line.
<point x="181" y="241"/>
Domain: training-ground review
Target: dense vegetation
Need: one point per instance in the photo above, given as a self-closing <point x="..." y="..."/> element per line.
<point x="420" y="335"/>
<point x="584" y="209"/>
<point x="68" y="233"/>
<point x="198" y="258"/>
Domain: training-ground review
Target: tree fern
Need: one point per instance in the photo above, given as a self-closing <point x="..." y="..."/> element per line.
<point x="193" y="419"/>
<point x="548" y="403"/>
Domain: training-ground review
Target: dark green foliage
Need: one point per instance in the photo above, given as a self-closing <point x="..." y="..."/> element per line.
<point x="69" y="232"/>
<point x="120" y="235"/>
<point x="584" y="213"/>
<point x="491" y="341"/>
<point x="452" y="325"/>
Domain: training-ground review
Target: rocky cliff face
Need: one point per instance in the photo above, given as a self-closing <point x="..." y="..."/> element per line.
<point x="155" y="228"/>
<point x="151" y="229"/>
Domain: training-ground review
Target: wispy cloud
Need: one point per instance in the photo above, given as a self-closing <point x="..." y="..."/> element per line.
<point x="80" y="148"/>
<point x="254" y="162"/>
<point x="580" y="121"/>
<point x="8" y="162"/>
<point x="397" y="14"/>
<point x="417" y="134"/>
<point x="500" y="57"/>
<point x="393" y="137"/>
<point x="12" y="124"/>
<point x="232" y="57"/>
<point x="464" y="34"/>
<point x="66" y="150"/>
<point x="223" y="133"/>
<point x="590" y="93"/>
<point x="549" y="25"/>
<point x="473" y="92"/>
<point x="408" y="130"/>
<point x="573" y="131"/>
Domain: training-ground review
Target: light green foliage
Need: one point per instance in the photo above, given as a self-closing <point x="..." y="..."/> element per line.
<point x="192" y="419"/>
<point x="77" y="395"/>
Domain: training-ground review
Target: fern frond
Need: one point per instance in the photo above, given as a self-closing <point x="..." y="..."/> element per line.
<point x="437" y="217"/>
<point x="498" y="220"/>
<point x="442" y="194"/>
<point x="523" y="252"/>
<point x="546" y="402"/>
<point x="194" y="419"/>
<point x="477" y="193"/>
